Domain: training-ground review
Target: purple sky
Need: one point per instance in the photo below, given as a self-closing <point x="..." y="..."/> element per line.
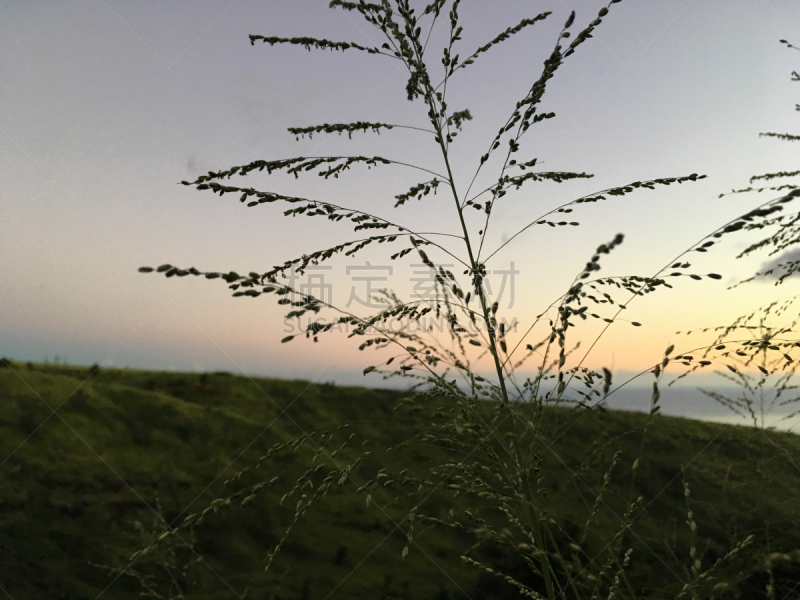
<point x="108" y="104"/>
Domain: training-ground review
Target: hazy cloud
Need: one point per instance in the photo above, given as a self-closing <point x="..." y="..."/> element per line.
<point x="773" y="265"/>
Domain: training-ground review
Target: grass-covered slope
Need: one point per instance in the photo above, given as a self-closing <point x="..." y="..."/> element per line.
<point x="73" y="484"/>
<point x="80" y="491"/>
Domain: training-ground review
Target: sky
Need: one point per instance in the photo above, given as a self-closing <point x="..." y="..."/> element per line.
<point x="107" y="105"/>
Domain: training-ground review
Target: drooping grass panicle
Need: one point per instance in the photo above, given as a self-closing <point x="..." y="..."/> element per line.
<point x="493" y="439"/>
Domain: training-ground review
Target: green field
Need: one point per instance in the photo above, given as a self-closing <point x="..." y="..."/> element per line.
<point x="81" y="491"/>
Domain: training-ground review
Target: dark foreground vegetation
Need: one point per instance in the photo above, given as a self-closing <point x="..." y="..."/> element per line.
<point x="83" y="489"/>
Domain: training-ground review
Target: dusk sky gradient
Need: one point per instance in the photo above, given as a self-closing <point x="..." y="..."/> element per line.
<point x="108" y="104"/>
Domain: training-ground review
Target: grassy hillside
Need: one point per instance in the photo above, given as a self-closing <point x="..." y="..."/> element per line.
<point x="82" y="489"/>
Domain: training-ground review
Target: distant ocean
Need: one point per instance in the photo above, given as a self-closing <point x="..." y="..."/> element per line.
<point x="680" y="400"/>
